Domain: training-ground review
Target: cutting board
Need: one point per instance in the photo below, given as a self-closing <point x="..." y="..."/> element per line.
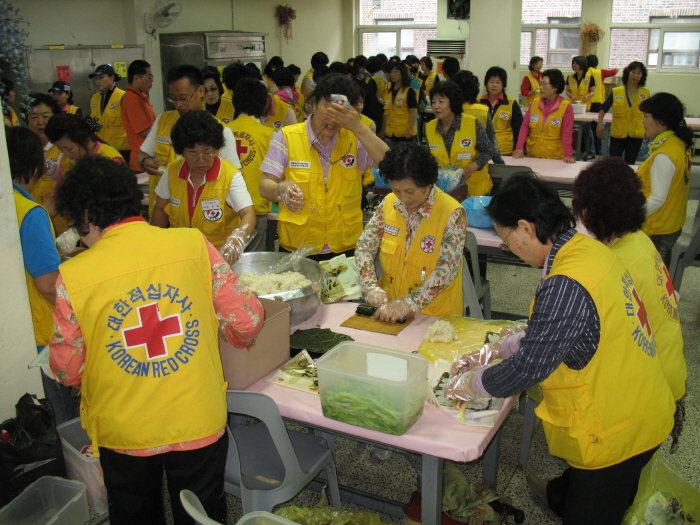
<point x="362" y="322"/>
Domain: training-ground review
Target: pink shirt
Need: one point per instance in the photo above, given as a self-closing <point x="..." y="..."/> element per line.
<point x="567" y="127"/>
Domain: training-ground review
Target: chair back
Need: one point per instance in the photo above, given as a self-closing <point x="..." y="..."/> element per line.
<point x="469" y="296"/>
<point x="194" y="508"/>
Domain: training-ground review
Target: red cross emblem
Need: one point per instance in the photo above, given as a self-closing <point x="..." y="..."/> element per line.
<point x="669" y="283"/>
<point x="152" y="331"/>
<point x="241" y="149"/>
<point x="642" y="313"/>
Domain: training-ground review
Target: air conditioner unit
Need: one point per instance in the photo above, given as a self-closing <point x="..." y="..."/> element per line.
<point x="439" y="50"/>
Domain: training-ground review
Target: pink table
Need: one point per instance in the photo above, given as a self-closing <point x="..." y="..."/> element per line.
<point x="435" y="435"/>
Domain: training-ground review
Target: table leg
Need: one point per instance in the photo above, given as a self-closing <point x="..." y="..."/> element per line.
<point x="431" y="490"/>
<point x="577" y="153"/>
<point x="528" y="426"/>
<point x="604" y="147"/>
<point x="489" y="477"/>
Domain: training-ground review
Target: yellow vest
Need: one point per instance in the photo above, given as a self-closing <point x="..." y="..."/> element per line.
<point x="405" y="270"/>
<point x="298" y="107"/>
<point x="225" y="111"/>
<point x="252" y="141"/>
<point x="112" y="132"/>
<point x="581" y="90"/>
<point x="105" y="150"/>
<point x="271" y="87"/>
<point x="628" y="121"/>
<point x="276" y="120"/>
<point x="544" y="139"/>
<point x="655" y="287"/>
<point x="368" y="121"/>
<point x="477" y="110"/>
<point x="332" y="213"/>
<point x="304" y="91"/>
<point x="620" y="404"/>
<point x="599" y="95"/>
<point x="671" y="216"/>
<point x="428" y="83"/>
<point x="534" y="86"/>
<point x="381" y="88"/>
<point x="212" y="215"/>
<point x="11" y="119"/>
<point x="165" y="154"/>
<point x="42" y="310"/>
<point x="503" y="125"/>
<point x="396" y="113"/>
<point x="72" y="109"/>
<point x="43" y="189"/>
<point x="228" y="95"/>
<point x="152" y="374"/>
<point x="462" y="154"/>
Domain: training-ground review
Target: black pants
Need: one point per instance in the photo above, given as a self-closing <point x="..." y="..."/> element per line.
<point x="595" y="108"/>
<point x="324" y="256"/>
<point x="597" y="497"/>
<point x="134" y="484"/>
<point x="630" y="146"/>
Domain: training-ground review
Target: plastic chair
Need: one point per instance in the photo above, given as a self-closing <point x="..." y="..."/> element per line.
<point x="685" y="252"/>
<point x="268" y="464"/>
<point x="482" y="287"/>
<point x="195" y="509"/>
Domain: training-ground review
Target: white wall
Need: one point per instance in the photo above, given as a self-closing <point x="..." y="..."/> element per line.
<point x="17" y="346"/>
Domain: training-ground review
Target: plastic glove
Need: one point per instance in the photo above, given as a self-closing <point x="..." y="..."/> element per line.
<point x="67" y="241"/>
<point x="289" y="194"/>
<point x="293" y="260"/>
<point x="233" y="248"/>
<point x="460" y="388"/>
<point x="476" y="359"/>
<point x="393" y="311"/>
<point x="513" y="329"/>
<point x="376" y="296"/>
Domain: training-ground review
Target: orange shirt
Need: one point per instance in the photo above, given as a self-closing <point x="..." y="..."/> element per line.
<point x="137" y="116"/>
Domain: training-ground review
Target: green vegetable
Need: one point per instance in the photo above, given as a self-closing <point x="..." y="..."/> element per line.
<point x="491" y="337"/>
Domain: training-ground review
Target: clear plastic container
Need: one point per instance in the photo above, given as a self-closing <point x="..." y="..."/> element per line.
<point x="80" y="467"/>
<point x="48" y="501"/>
<point x="260" y="517"/>
<point x="372" y="387"/>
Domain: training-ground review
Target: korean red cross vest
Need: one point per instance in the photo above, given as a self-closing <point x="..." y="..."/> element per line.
<point x="581" y="90"/>
<point x="112" y="132"/>
<point x="544" y="139"/>
<point x="153" y="375"/>
<point x="628" y="121"/>
<point x="405" y="270"/>
<point x="396" y="113"/>
<point x="620" y="404"/>
<point x="534" y="86"/>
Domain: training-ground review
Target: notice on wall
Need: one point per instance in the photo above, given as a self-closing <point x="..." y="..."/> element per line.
<point x="63" y="73"/>
<point x="120" y="68"/>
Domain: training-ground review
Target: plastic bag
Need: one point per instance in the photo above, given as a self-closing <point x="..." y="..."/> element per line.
<point x="477" y="217"/>
<point x="341" y="281"/>
<point x="33" y="447"/>
<point x="663" y="497"/>
<point x="292" y="260"/>
<point x="379" y="182"/>
<point x="449" y="178"/>
<point x="67" y="241"/>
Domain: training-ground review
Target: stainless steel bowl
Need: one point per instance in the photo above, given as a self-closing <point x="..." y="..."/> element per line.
<point x="303" y="301"/>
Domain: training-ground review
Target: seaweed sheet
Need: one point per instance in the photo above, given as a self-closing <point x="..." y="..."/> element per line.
<point x="316" y="340"/>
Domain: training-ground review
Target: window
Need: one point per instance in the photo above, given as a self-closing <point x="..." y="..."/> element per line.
<point x="399" y="35"/>
<point x="550" y="30"/>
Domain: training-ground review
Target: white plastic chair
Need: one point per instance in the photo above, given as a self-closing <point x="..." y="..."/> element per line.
<point x="482" y="287"/>
<point x="195" y="509"/>
<point x="268" y="464"/>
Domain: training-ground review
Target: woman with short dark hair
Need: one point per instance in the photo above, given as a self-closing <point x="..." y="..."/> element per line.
<point x="505" y="113"/>
<point x="203" y="190"/>
<point x="419" y="232"/>
<point x="530" y="86"/>
<point x="580" y="85"/>
<point x="272" y="64"/>
<point x="548" y="122"/>
<point x="287" y="91"/>
<point x="8" y="99"/>
<point x="62" y="94"/>
<point x="428" y="78"/>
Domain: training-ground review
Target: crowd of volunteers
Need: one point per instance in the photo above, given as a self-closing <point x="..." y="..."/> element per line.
<point x="140" y="306"/>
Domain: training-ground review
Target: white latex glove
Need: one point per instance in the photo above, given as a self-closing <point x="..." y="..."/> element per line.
<point x="476" y="359"/>
<point x="232" y="249"/>
<point x="376" y="296"/>
<point x="394" y="310"/>
<point x="67" y="241"/>
<point x="460" y="388"/>
<point x="289" y="194"/>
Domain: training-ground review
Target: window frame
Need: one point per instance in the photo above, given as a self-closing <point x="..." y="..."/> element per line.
<point x="395" y="28"/>
<point x="532" y="29"/>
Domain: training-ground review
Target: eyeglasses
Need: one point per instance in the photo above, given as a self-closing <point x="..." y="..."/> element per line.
<point x="176" y="101"/>
<point x="211" y="90"/>
<point x="329" y="161"/>
<point x="545" y="83"/>
<point x="199" y="157"/>
<point x="147" y="77"/>
<point x="504" y="245"/>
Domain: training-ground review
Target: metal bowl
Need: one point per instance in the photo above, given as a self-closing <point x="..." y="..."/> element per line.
<point x="303" y="301"/>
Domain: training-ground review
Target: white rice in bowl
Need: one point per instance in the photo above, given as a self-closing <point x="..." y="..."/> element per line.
<point x="273" y="283"/>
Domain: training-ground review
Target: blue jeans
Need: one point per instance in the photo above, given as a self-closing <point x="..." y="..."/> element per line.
<point x="664" y="243"/>
<point x="61" y="399"/>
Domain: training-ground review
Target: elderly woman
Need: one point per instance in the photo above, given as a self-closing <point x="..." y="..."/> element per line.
<point x="505" y="113"/>
<point x="315" y="171"/>
<point x="419" y="233"/>
<point x="530" y="87"/>
<point x="608" y="199"/>
<point x="628" y="120"/>
<point x="548" y="122"/>
<point x="607" y="404"/>
<point x="580" y="85"/>
<point x="204" y="191"/>
<point x="666" y="173"/>
<point x="458" y="139"/>
<point x="221" y="108"/>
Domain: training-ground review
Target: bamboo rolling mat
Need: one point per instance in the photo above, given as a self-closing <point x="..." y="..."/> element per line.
<point x="362" y="322"/>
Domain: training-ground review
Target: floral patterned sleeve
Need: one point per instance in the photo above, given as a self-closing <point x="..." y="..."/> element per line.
<point x="448" y="264"/>
<point x="240" y="313"/>
<point x="367" y="247"/>
<point x="67" y="347"/>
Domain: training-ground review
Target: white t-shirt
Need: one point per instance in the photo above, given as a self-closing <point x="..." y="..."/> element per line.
<point x="228" y="152"/>
<point x="662" y="172"/>
<point x="237" y="196"/>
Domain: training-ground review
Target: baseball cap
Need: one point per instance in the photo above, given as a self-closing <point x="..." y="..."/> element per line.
<point x="60" y="85"/>
<point x="104" y="69"/>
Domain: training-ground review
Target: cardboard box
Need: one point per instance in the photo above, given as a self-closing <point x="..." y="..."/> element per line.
<point x="243" y="367"/>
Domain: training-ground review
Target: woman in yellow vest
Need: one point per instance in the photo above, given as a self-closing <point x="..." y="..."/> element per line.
<point x="213" y="103"/>
<point x="307" y="83"/>
<point x="315" y="171"/>
<point x="42" y="108"/>
<point x="530" y="86"/>
<point x="608" y="200"/>
<point x="272" y="64"/>
<point x="548" y="123"/>
<point x="458" y="140"/>
<point x="296" y="73"/>
<point x="666" y="173"/>
<point x="428" y="78"/>
<point x="400" y="107"/>
<point x="8" y="99"/>
<point x="580" y="85"/>
<point x="203" y="190"/>
<point x="628" y="120"/>
<point x="39" y="254"/>
<point x="106" y="108"/>
<point x="419" y="233"/>
<point x="607" y="404"/>
<point x="505" y="113"/>
<point x="62" y="94"/>
<point x="287" y="91"/>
